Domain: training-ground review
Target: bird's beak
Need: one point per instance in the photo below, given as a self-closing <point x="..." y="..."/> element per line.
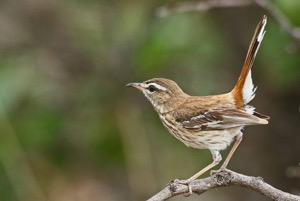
<point x="135" y="85"/>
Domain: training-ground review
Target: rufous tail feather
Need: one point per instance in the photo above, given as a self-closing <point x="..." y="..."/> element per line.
<point x="243" y="92"/>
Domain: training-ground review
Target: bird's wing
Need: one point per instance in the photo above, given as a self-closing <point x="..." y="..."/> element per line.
<point x="216" y="119"/>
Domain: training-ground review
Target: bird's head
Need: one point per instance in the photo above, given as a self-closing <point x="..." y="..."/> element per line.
<point x="164" y="94"/>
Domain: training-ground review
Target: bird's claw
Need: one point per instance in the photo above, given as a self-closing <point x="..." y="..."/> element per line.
<point x="222" y="169"/>
<point x="184" y="182"/>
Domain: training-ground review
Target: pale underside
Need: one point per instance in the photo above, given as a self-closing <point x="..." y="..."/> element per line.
<point x="213" y="128"/>
<point x="213" y="139"/>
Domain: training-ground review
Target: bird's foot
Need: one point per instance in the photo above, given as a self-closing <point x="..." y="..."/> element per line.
<point x="222" y="169"/>
<point x="184" y="182"/>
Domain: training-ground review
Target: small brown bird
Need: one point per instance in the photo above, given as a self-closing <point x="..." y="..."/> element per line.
<point x="208" y="122"/>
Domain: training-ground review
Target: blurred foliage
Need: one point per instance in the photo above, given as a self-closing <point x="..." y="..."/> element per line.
<point x="290" y="9"/>
<point x="70" y="130"/>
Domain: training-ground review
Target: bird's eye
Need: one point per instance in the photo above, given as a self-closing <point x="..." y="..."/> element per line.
<point x="152" y="88"/>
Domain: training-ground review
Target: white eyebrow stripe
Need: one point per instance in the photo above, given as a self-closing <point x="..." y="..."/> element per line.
<point x="157" y="86"/>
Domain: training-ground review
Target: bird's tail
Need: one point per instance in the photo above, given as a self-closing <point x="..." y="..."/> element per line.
<point x="244" y="90"/>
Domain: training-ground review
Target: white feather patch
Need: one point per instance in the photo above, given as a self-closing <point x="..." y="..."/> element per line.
<point x="212" y="124"/>
<point x="248" y="89"/>
<point x="259" y="38"/>
<point x="261" y="35"/>
<point x="197" y="117"/>
<point x="262" y="32"/>
<point x="249" y="109"/>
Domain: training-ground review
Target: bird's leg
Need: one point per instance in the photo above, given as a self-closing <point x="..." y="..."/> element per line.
<point x="216" y="157"/>
<point x="238" y="140"/>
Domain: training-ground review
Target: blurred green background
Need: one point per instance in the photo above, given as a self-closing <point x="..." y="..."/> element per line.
<point x="70" y="130"/>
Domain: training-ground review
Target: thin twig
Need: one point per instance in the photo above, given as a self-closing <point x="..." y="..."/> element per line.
<point x="267" y="5"/>
<point x="225" y="179"/>
<point x="201" y="6"/>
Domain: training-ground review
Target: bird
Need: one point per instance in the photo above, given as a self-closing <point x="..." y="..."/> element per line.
<point x="208" y="122"/>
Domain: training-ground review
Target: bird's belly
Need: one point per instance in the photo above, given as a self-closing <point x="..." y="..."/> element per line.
<point x="216" y="139"/>
<point x="213" y="139"/>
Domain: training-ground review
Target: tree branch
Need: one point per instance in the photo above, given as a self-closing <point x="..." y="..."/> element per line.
<point x="225" y="179"/>
<point x="267" y="5"/>
<point x="201" y="6"/>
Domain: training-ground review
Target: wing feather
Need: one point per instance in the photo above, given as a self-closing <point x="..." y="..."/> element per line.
<point x="217" y="119"/>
